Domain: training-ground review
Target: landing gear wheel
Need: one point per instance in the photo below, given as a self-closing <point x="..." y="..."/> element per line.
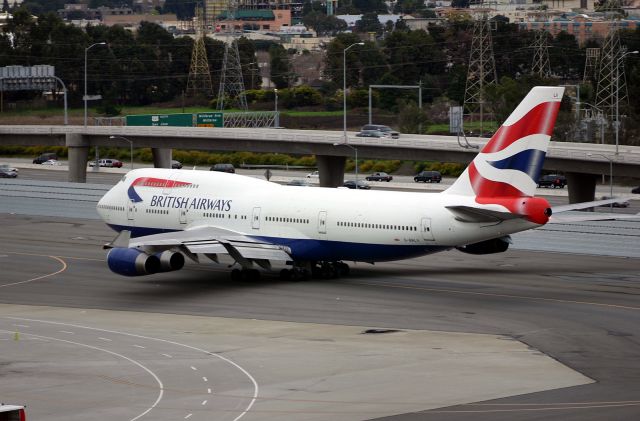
<point x="342" y="268"/>
<point x="236" y="275"/>
<point x="252" y="274"/>
<point x="285" y="275"/>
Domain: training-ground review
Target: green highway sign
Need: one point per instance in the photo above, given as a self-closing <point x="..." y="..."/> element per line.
<point x="209" y="120"/>
<point x="170" y="120"/>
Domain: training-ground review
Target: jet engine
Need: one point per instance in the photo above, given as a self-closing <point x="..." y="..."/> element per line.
<point x="134" y="262"/>
<point x="495" y="245"/>
<point x="170" y="260"/>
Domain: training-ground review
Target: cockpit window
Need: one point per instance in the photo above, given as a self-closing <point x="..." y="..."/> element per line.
<point x="124" y="177"/>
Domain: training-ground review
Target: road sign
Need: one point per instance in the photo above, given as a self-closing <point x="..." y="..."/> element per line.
<point x="172" y="120"/>
<point x="209" y="120"/>
<point x="455" y="119"/>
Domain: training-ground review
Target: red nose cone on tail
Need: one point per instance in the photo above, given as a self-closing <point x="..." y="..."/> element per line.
<point x="534" y="209"/>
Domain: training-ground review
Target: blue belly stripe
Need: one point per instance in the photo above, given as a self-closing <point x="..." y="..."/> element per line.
<point x="309" y="249"/>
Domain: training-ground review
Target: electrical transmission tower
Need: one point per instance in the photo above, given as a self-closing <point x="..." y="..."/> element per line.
<point x="611" y="79"/>
<point x="482" y="68"/>
<point x="591" y="64"/>
<point x="199" y="77"/>
<point x="541" y="65"/>
<point x="231" y="81"/>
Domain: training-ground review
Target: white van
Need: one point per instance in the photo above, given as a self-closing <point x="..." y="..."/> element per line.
<point x="12" y="413"/>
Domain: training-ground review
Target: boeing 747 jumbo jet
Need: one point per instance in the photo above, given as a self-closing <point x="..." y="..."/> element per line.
<point x="164" y="215"/>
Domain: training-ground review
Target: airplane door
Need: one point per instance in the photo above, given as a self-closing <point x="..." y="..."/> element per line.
<point x="131" y="210"/>
<point x="425" y="227"/>
<point x="183" y="216"/>
<point x="322" y="222"/>
<point x="255" y="219"/>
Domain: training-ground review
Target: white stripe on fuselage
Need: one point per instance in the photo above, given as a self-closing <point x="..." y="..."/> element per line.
<point x="232" y="201"/>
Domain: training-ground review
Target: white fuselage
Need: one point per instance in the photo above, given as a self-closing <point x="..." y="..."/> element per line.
<point x="314" y="223"/>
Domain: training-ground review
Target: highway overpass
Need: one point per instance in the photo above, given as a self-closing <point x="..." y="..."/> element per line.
<point x="581" y="162"/>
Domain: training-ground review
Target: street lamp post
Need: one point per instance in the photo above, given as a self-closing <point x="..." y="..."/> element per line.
<point x="130" y="146"/>
<point x="344" y="88"/>
<point x="618" y="94"/>
<point x="277" y="116"/>
<point x="85" y="80"/>
<point x="356" y="156"/>
<point x="610" y="175"/>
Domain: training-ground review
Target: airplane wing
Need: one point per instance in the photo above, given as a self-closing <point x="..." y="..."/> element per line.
<point x="205" y="240"/>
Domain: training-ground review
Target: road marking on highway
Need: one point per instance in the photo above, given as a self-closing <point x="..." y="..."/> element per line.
<point x="17" y="325"/>
<point x="67" y="332"/>
<point x="209" y="391"/>
<point x="166" y="355"/>
<point x="139" y="364"/>
<point x="256" y="389"/>
<point x="139" y="346"/>
<point x="204" y="402"/>
<point x="64" y="267"/>
<point x="105" y="339"/>
<point x="193" y="368"/>
<point x="205" y="379"/>
<point x="548" y="407"/>
<point x="188" y="416"/>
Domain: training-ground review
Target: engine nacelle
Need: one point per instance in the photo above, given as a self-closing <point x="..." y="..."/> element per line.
<point x="170" y="260"/>
<point x="132" y="262"/>
<point x="495" y="245"/>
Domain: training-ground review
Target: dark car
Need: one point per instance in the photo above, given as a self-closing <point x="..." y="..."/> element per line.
<point x="176" y="165"/>
<point x="299" y="182"/>
<point x="7" y="173"/>
<point x="379" y="176"/>
<point x="45" y="157"/>
<point x="428" y="177"/>
<point x="370" y="133"/>
<point x="224" y="168"/>
<point x="351" y="184"/>
<point x="622" y="203"/>
<point x="386" y="130"/>
<point x="553" y="181"/>
<point x="636" y="190"/>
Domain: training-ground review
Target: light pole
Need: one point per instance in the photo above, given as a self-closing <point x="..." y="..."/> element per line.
<point x="618" y="94"/>
<point x="130" y="146"/>
<point x="85" y="83"/>
<point x="610" y="175"/>
<point x="356" y="153"/>
<point x="277" y="116"/>
<point x="344" y="88"/>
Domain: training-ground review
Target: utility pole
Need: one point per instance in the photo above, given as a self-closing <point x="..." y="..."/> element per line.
<point x="199" y="77"/>
<point x="541" y="65"/>
<point x="231" y="80"/>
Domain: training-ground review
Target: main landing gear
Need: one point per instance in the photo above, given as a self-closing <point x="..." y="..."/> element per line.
<point x="245" y="275"/>
<point x="317" y="270"/>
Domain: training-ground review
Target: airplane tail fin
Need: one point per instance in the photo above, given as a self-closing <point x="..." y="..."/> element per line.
<point x="509" y="164"/>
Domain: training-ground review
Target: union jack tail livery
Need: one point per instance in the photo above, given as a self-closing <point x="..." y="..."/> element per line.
<point x="510" y="163"/>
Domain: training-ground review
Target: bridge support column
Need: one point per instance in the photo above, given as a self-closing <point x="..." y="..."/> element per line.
<point x="161" y="157"/>
<point x="78" y="156"/>
<point x="331" y="169"/>
<point x="582" y="187"/>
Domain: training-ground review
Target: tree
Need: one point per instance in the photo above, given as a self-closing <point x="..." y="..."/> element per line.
<point x="280" y="66"/>
<point x="5" y="5"/>
<point x="412" y="119"/>
<point x="369" y="22"/>
<point x="334" y="59"/>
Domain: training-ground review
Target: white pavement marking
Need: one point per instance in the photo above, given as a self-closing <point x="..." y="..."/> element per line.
<point x="17" y="325"/>
<point x="139" y="364"/>
<point x="166" y="355"/>
<point x="139" y="346"/>
<point x="193" y="368"/>
<point x="204" y="402"/>
<point x="209" y="391"/>
<point x="105" y="339"/>
<point x="188" y="416"/>
<point x="67" y="332"/>
<point x="227" y="360"/>
<point x="64" y="267"/>
<point x="205" y="379"/>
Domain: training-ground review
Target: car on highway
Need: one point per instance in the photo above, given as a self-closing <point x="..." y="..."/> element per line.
<point x="299" y="182"/>
<point x="45" y="157"/>
<point x="636" y="190"/>
<point x="7" y="173"/>
<point x="370" y="133"/>
<point x="386" y="130"/>
<point x="12" y="412"/>
<point x="176" y="165"/>
<point x="379" y="176"/>
<point x="107" y="163"/>
<point x="52" y="162"/>
<point x="313" y="174"/>
<point x="351" y="184"/>
<point x="428" y="177"/>
<point x="223" y="168"/>
<point x="619" y="204"/>
<point x="553" y="181"/>
<point x="8" y="168"/>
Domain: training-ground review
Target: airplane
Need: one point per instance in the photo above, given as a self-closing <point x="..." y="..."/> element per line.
<point x="165" y="215"/>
